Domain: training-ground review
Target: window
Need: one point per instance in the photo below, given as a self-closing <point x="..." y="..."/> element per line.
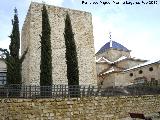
<point x="131" y="74"/>
<point x="2" y="78"/>
<point x="101" y="83"/>
<point x="140" y="72"/>
<point x="151" y="69"/>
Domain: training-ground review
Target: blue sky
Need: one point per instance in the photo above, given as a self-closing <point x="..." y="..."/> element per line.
<point x="137" y="27"/>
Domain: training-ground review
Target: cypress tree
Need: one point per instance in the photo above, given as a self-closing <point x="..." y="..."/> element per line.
<point x="13" y="61"/>
<point x="71" y="54"/>
<point x="46" y="52"/>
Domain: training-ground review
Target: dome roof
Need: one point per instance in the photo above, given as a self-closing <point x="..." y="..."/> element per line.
<point x="114" y="45"/>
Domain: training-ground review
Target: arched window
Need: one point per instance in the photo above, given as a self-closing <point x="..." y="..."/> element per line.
<point x="151" y="69"/>
<point x="101" y="83"/>
<point x="140" y="72"/>
<point x="131" y="74"/>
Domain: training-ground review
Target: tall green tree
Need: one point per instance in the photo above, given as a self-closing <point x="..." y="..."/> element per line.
<point x="46" y="52"/>
<point x="71" y="53"/>
<point x="12" y="59"/>
<point x="13" y="64"/>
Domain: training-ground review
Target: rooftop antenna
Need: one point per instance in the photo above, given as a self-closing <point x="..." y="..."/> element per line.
<point x="110" y="37"/>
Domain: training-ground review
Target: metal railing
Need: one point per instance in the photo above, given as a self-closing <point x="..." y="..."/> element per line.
<point x="65" y="91"/>
<point x="54" y="91"/>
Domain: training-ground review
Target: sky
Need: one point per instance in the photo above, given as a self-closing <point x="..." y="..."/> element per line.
<point x="135" y="26"/>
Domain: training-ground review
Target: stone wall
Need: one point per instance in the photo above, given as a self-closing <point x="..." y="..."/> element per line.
<point x="25" y="43"/>
<point x="100" y="108"/>
<point x="101" y="67"/>
<point x="83" y="34"/>
<point x="120" y="79"/>
<point x="108" y="80"/>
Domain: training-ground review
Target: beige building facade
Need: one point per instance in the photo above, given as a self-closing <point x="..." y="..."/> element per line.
<point x="116" y="67"/>
<point x="3" y="70"/>
<point x="2" y="65"/>
<point x="83" y="34"/>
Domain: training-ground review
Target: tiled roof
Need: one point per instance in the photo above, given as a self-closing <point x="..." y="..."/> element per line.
<point x="112" y="44"/>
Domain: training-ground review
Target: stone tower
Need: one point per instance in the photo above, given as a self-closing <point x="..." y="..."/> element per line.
<point x="83" y="34"/>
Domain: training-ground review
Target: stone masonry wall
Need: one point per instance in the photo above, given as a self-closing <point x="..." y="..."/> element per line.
<point x="83" y="34"/>
<point x="100" y="108"/>
<point x="25" y="43"/>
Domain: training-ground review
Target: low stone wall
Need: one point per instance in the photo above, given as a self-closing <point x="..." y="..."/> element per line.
<point x="99" y="108"/>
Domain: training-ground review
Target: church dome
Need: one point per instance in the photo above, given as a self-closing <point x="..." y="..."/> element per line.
<point x="114" y="45"/>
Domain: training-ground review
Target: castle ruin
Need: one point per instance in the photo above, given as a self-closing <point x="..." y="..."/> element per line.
<point x="83" y="35"/>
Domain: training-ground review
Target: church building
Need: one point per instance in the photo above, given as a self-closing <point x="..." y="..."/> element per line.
<point x="116" y="67"/>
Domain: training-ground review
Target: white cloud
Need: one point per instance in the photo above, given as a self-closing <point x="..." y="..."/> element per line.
<point x="101" y="28"/>
<point x="139" y="41"/>
<point x="142" y="45"/>
<point x="50" y="2"/>
<point x="101" y="31"/>
<point x="5" y="43"/>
